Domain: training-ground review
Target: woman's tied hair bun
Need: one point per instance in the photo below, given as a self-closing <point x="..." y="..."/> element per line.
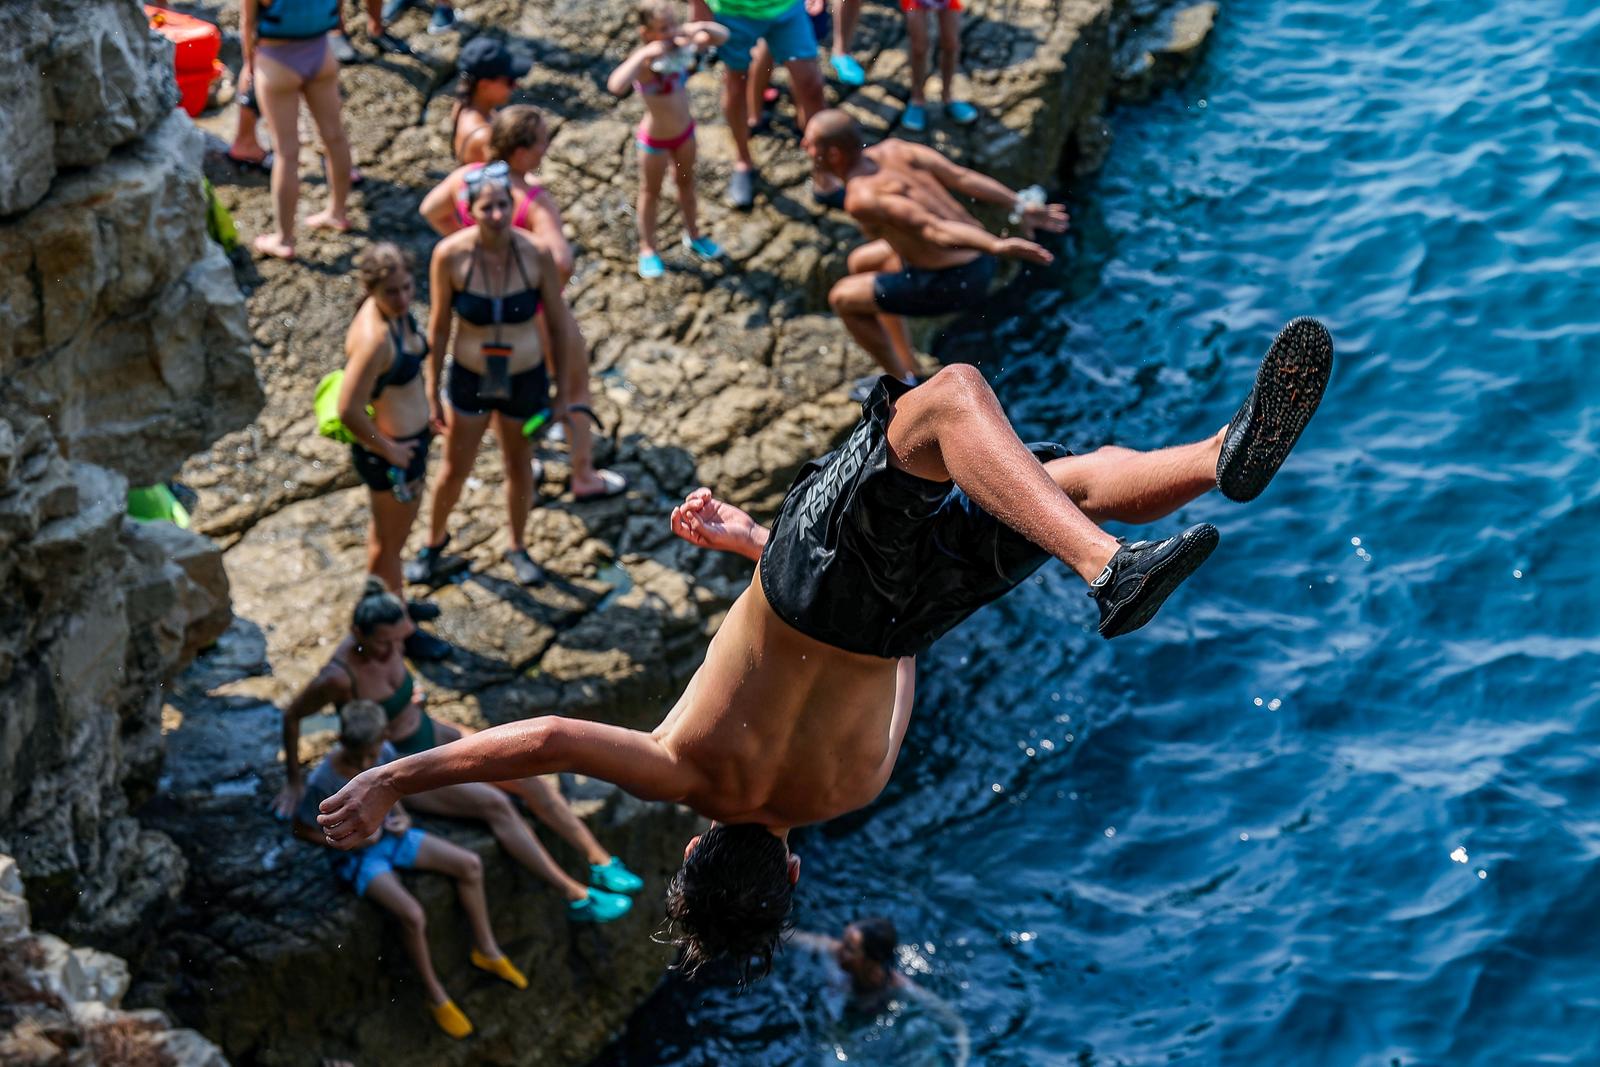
<point x="377" y="264"/>
<point x="377" y="607"/>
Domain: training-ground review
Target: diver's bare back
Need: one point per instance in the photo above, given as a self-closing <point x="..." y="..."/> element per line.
<point x="782" y="729"/>
<point x="900" y="168"/>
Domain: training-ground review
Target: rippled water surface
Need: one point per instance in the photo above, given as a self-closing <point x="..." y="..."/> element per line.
<point x="1340" y="802"/>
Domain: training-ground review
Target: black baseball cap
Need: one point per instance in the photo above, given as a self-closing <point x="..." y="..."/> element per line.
<point x="485" y="57"/>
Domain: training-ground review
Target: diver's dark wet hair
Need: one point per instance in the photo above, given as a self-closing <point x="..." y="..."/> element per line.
<point x="731" y="898"/>
<point x="377" y="607"/>
<point x="879" y="939"/>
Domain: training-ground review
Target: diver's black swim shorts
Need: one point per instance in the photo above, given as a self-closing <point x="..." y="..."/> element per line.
<point x="870" y="559"/>
<point x="918" y="292"/>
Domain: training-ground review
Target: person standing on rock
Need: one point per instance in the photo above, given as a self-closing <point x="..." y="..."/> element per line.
<point x="287" y="56"/>
<point x="930" y="256"/>
<point x="786" y="27"/>
<point x="368" y="665"/>
<point x="929" y="510"/>
<point x="948" y="14"/>
<point x="490" y="282"/>
<point x="384" y="355"/>
<point x="398" y="846"/>
<point x="658" y="72"/>
<point x="487" y="71"/>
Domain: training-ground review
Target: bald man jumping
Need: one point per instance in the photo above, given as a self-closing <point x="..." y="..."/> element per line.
<point x="929" y="256"/>
<point x="930" y="509"/>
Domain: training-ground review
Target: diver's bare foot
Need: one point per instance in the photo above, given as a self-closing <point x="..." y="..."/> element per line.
<point x="707" y="522"/>
<point x="327" y="220"/>
<point x="270" y="244"/>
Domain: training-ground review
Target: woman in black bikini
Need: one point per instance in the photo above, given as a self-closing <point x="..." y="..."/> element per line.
<point x="491" y="280"/>
<point x="369" y="665"/>
<point x="384" y="353"/>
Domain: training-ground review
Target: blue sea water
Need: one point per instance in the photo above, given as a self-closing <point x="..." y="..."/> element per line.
<point x="1339" y="804"/>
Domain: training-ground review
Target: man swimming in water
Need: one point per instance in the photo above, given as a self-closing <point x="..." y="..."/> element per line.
<point x="798" y="712"/>
<point x="929" y="255"/>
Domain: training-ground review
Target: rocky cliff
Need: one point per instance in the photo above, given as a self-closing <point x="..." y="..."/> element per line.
<point x="61" y="1005"/>
<point x="122" y="350"/>
<point x="727" y="375"/>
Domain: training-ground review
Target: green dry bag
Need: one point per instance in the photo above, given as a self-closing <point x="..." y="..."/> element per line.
<point x="326" y="408"/>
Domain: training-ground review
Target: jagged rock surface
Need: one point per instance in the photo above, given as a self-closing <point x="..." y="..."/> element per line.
<point x="122" y="350"/>
<point x="60" y="1005"/>
<point x="79" y="78"/>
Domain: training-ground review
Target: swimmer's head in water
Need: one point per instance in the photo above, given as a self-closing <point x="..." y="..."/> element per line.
<point x="866" y="951"/>
<point x="833" y="140"/>
<point x="732" y="898"/>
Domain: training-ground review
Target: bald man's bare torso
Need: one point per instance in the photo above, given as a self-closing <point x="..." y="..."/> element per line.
<point x="782" y="729"/>
<point x="896" y="168"/>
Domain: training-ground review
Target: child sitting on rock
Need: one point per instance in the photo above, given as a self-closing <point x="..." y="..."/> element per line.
<point x="948" y="13"/>
<point x="659" y="70"/>
<point x="398" y="846"/>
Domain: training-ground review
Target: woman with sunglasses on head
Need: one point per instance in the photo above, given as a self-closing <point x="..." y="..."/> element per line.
<point x="490" y="281"/>
<point x="519" y="138"/>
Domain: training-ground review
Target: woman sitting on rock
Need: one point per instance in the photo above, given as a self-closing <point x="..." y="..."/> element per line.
<point x="384" y="354"/>
<point x="287" y="56"/>
<point x="398" y="846"/>
<point x="368" y="665"/>
<point x="491" y="280"/>
<point x="519" y="137"/>
<point x="487" y="72"/>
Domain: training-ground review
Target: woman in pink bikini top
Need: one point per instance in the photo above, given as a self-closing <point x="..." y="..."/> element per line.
<point x="518" y="139"/>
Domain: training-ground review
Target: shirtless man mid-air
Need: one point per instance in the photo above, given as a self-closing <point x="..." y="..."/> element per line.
<point x="930" y="509"/>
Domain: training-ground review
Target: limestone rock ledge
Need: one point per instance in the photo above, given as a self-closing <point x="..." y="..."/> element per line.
<point x="96" y="614"/>
<point x="79" y="78"/>
<point x="61" y="1005"/>
<point x="119" y="312"/>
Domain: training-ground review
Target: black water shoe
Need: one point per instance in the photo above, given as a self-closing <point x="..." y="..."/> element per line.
<point x="1287" y="390"/>
<point x="425" y="648"/>
<point x="423" y="610"/>
<point x="432" y="566"/>
<point x="522" y="565"/>
<point x="1142" y="575"/>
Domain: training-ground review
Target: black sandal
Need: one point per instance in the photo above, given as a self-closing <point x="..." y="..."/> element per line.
<point x="1142" y="575"/>
<point x="1288" y="387"/>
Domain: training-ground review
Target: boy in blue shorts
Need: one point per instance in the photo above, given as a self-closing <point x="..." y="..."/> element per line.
<point x="399" y="846"/>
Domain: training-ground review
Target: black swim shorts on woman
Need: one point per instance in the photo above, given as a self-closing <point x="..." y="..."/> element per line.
<point x="917" y="292"/>
<point x="530" y="393"/>
<point x="868" y="558"/>
<point x="374" y="469"/>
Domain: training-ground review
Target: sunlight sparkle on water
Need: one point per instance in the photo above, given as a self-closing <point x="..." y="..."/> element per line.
<point x="1460" y="854"/>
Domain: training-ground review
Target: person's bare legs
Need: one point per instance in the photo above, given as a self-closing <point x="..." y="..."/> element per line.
<point x="246" y="146"/>
<point x="494" y="808"/>
<point x="386" y="891"/>
<point x="951" y="428"/>
<point x="846" y="13"/>
<point x="516" y="451"/>
<point x="545" y="803"/>
<point x="806" y="85"/>
<point x="917" y="45"/>
<point x="735" y="89"/>
<point x="857" y="304"/>
<point x="325" y="104"/>
<point x="759" y="81"/>
<point x="463" y="434"/>
<point x="652" y="170"/>
<point x="1115" y="484"/>
<point x="278" y="95"/>
<point x="386" y="536"/>
<point x="949" y="53"/>
<point x="683" y="159"/>
<point x="437" y="854"/>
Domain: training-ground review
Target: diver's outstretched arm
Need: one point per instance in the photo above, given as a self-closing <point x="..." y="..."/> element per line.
<point x="706" y="522"/>
<point x="634" y="760"/>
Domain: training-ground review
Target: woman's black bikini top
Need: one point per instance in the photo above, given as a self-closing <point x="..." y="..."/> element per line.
<point x="511" y="308"/>
<point x="406" y="365"/>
